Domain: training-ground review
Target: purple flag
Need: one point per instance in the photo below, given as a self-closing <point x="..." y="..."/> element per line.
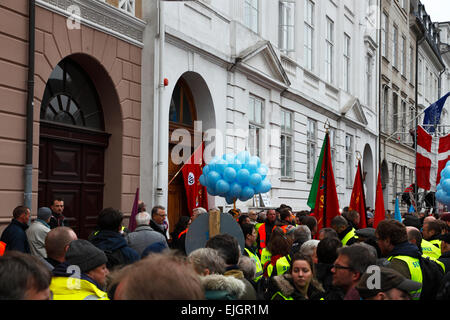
<point x="134" y="212"/>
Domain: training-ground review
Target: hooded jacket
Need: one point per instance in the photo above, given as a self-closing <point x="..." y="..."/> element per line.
<point x="283" y="288"/>
<point x="70" y="286"/>
<point x="107" y="240"/>
<point x="249" y="292"/>
<point x="220" y="287"/>
<point x="142" y="237"/>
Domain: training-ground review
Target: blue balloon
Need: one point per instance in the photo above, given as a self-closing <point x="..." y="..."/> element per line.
<point x="243" y="176"/>
<point x="202" y="180"/>
<point x="229" y="199"/>
<point x="445" y="184"/>
<point x="212" y="178"/>
<point x="265" y="186"/>
<point x="206" y="170"/>
<point x="221" y="165"/>
<point x="236" y="164"/>
<point x="243" y="156"/>
<point x="445" y="173"/>
<point x="247" y="193"/>
<point x="229" y="157"/>
<point x="255" y="179"/>
<point x="263" y="170"/>
<point x="222" y="187"/>
<point x="255" y="159"/>
<point x="229" y="174"/>
<point x="212" y="191"/>
<point x="251" y="166"/>
<point x="235" y="190"/>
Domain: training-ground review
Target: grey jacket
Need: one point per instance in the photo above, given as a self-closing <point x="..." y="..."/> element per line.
<point x="36" y="234"/>
<point x="142" y="237"/>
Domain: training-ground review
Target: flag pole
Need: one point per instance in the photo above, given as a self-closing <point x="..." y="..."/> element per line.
<point x="178" y="172"/>
<point x="327" y="141"/>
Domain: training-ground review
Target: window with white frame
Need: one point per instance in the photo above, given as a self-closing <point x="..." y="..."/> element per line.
<point x="308" y="34"/>
<point x="349" y="160"/>
<point x="395" y="112"/>
<point x="251" y="12"/>
<point x="333" y="149"/>
<point x="395" y="179"/>
<point x="411" y="64"/>
<point x="287" y="134"/>
<point x="286" y="31"/>
<point x="369" y="79"/>
<point x="404" y="120"/>
<point x="384" y="114"/>
<point x="346" y="65"/>
<point x="384" y="34"/>
<point x="395" y="47"/>
<point x="329" y="55"/>
<point x="411" y="176"/>
<point x="420" y="75"/>
<point x="311" y="137"/>
<point x="403" y="56"/>
<point x="128" y="6"/>
<point x="256" y="123"/>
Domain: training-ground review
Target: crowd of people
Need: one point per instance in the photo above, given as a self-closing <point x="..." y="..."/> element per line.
<point x="287" y="256"/>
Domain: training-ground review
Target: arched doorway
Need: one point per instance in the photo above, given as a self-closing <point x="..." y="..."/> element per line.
<point x="182" y="114"/>
<point x="368" y="175"/>
<point x="72" y="146"/>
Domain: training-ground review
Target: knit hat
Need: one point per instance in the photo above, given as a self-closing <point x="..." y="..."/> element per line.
<point x="389" y="279"/>
<point x="85" y="255"/>
<point x="44" y="213"/>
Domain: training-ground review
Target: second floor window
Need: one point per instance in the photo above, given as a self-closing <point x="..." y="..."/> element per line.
<point x="286" y="31"/>
<point x="256" y="123"/>
<point x="346" y="63"/>
<point x="329" y="55"/>
<point x="395" y="47"/>
<point x="308" y="34"/>
<point x="251" y="14"/>
<point x="384" y="34"/>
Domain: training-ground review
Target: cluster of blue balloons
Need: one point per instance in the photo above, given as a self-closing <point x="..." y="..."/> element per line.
<point x="234" y="177"/>
<point x="443" y="188"/>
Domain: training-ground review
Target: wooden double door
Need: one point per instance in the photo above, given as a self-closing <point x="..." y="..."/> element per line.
<point x="71" y="167"/>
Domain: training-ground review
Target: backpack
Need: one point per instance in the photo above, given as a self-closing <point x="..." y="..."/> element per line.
<point x="115" y="258"/>
<point x="263" y="287"/>
<point x="432" y="275"/>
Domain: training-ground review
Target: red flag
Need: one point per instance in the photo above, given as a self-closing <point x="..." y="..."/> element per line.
<point x="379" y="214"/>
<point x="432" y="153"/>
<point x="327" y="204"/>
<point x="192" y="169"/>
<point x="134" y="211"/>
<point x="358" y="200"/>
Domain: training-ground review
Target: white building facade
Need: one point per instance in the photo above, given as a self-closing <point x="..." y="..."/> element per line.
<point x="263" y="82"/>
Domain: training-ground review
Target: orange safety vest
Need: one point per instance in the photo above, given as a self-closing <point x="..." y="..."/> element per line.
<point x="262" y="237"/>
<point x="2" y="248"/>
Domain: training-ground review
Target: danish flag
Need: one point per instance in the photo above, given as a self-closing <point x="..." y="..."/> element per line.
<point x="431" y="157"/>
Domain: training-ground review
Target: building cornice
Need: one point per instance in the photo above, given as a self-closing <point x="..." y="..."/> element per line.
<point x="101" y="16"/>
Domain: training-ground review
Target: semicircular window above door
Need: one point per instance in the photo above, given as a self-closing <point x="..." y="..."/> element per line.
<point x="70" y="98"/>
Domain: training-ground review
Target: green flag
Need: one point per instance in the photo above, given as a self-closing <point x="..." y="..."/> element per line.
<point x="313" y="192"/>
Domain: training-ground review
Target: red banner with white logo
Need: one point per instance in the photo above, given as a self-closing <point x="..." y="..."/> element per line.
<point x="195" y="193"/>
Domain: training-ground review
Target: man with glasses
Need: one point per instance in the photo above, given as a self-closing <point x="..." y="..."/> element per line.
<point x="158" y="218"/>
<point x="350" y="265"/>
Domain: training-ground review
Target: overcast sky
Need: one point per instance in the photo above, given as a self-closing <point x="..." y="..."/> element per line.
<point x="439" y="10"/>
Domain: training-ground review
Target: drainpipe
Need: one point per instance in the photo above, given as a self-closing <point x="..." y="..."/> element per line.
<point x="416" y="90"/>
<point x="28" y="177"/>
<point x="163" y="130"/>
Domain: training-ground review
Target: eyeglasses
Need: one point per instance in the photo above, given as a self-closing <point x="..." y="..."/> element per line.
<point x="337" y="266"/>
<point x="162" y="215"/>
